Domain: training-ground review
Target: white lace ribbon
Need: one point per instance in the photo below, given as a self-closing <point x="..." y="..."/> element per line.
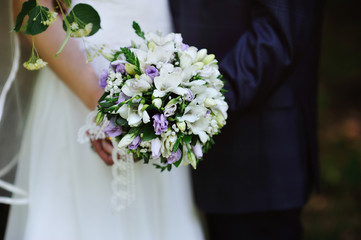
<point x="123" y="187"/>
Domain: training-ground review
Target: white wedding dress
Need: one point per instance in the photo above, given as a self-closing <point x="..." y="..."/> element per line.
<point x="69" y="186"/>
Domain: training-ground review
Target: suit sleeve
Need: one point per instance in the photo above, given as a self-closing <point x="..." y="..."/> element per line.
<point x="265" y="54"/>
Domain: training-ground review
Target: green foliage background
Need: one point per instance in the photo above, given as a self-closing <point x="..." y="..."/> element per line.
<point x="335" y="213"/>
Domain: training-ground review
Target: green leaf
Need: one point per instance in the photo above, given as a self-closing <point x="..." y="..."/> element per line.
<point x="187" y="139"/>
<point x="67" y="3"/>
<point x="176" y="145"/>
<point x="25" y="9"/>
<point x="121" y="121"/>
<point x="148" y="133"/>
<point x="83" y="14"/>
<point x="177" y="163"/>
<point x="138" y="30"/>
<point x="194" y="140"/>
<point x="105" y="94"/>
<point x="169" y="167"/>
<point x="36" y="16"/>
<point x="106" y="104"/>
<point x="132" y="59"/>
<point x="135" y="130"/>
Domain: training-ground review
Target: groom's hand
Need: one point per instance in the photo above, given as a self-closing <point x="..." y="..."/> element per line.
<point x="103" y="148"/>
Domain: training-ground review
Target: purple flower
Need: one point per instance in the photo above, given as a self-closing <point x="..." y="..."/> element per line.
<point x="175" y="156"/>
<point x="197" y="149"/>
<point x="156" y="147"/>
<point x="112" y="131"/>
<point x="152" y="72"/>
<point x="190" y="96"/>
<point x="122" y="97"/>
<point x="135" y="143"/>
<point x="118" y="67"/>
<point x="160" y="123"/>
<point x="184" y="46"/>
<point x="103" y="79"/>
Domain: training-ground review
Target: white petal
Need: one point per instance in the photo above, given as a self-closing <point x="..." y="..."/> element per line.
<point x="126" y="140"/>
<point x="146" y="118"/>
<point x="123" y="111"/>
<point x="134" y="119"/>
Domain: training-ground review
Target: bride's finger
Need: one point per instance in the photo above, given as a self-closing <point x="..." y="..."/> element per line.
<point x="106" y="157"/>
<point x="107" y="146"/>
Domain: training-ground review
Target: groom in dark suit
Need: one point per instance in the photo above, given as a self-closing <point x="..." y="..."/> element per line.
<point x="256" y="179"/>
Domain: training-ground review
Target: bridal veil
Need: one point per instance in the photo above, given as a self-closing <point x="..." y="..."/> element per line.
<point x="15" y="91"/>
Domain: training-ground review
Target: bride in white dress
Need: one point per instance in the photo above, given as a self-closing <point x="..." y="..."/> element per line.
<point x="69" y="187"/>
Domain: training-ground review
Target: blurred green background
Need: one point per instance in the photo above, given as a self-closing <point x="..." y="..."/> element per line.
<point x="335" y="213"/>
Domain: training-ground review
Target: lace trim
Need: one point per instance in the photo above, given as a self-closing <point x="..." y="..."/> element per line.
<point x="123" y="184"/>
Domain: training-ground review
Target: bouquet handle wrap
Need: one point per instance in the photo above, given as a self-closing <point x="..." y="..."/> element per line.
<point x="123" y="178"/>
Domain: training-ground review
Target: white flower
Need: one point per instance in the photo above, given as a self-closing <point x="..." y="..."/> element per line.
<point x="133" y="87"/>
<point x="168" y="141"/>
<point x="199" y="128"/>
<point x="168" y="81"/>
<point x="192" y="113"/>
<point x="188" y="57"/>
<point x="131" y="115"/>
<point x="143" y="113"/>
<point x="194" y="116"/>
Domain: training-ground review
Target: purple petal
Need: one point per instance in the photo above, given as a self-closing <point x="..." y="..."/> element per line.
<point x="160" y="123"/>
<point x="184" y="46"/>
<point x="103" y="79"/>
<point x="175" y="156"/>
<point x="136" y="141"/>
<point x="113" y="131"/>
<point x="152" y="72"/>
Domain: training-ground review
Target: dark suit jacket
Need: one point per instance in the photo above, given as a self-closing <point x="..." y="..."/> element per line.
<point x="266" y="156"/>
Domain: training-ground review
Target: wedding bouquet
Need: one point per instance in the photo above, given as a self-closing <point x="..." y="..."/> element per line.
<point x="163" y="100"/>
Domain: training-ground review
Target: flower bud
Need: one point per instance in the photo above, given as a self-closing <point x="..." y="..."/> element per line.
<point x="209" y="102"/>
<point x="209" y="58"/>
<point x="107" y="56"/>
<point x="126" y="140"/>
<point x="197" y="149"/>
<point x="199" y="65"/>
<point x="145" y="106"/>
<point x="221" y="121"/>
<point x="130" y="68"/>
<point x="181" y="126"/>
<point x="157" y="102"/>
<point x="201" y="54"/>
<point x="192" y="159"/>
<point x="99" y="118"/>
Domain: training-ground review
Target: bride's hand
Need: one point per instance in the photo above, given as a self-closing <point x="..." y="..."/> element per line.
<point x="103" y="148"/>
